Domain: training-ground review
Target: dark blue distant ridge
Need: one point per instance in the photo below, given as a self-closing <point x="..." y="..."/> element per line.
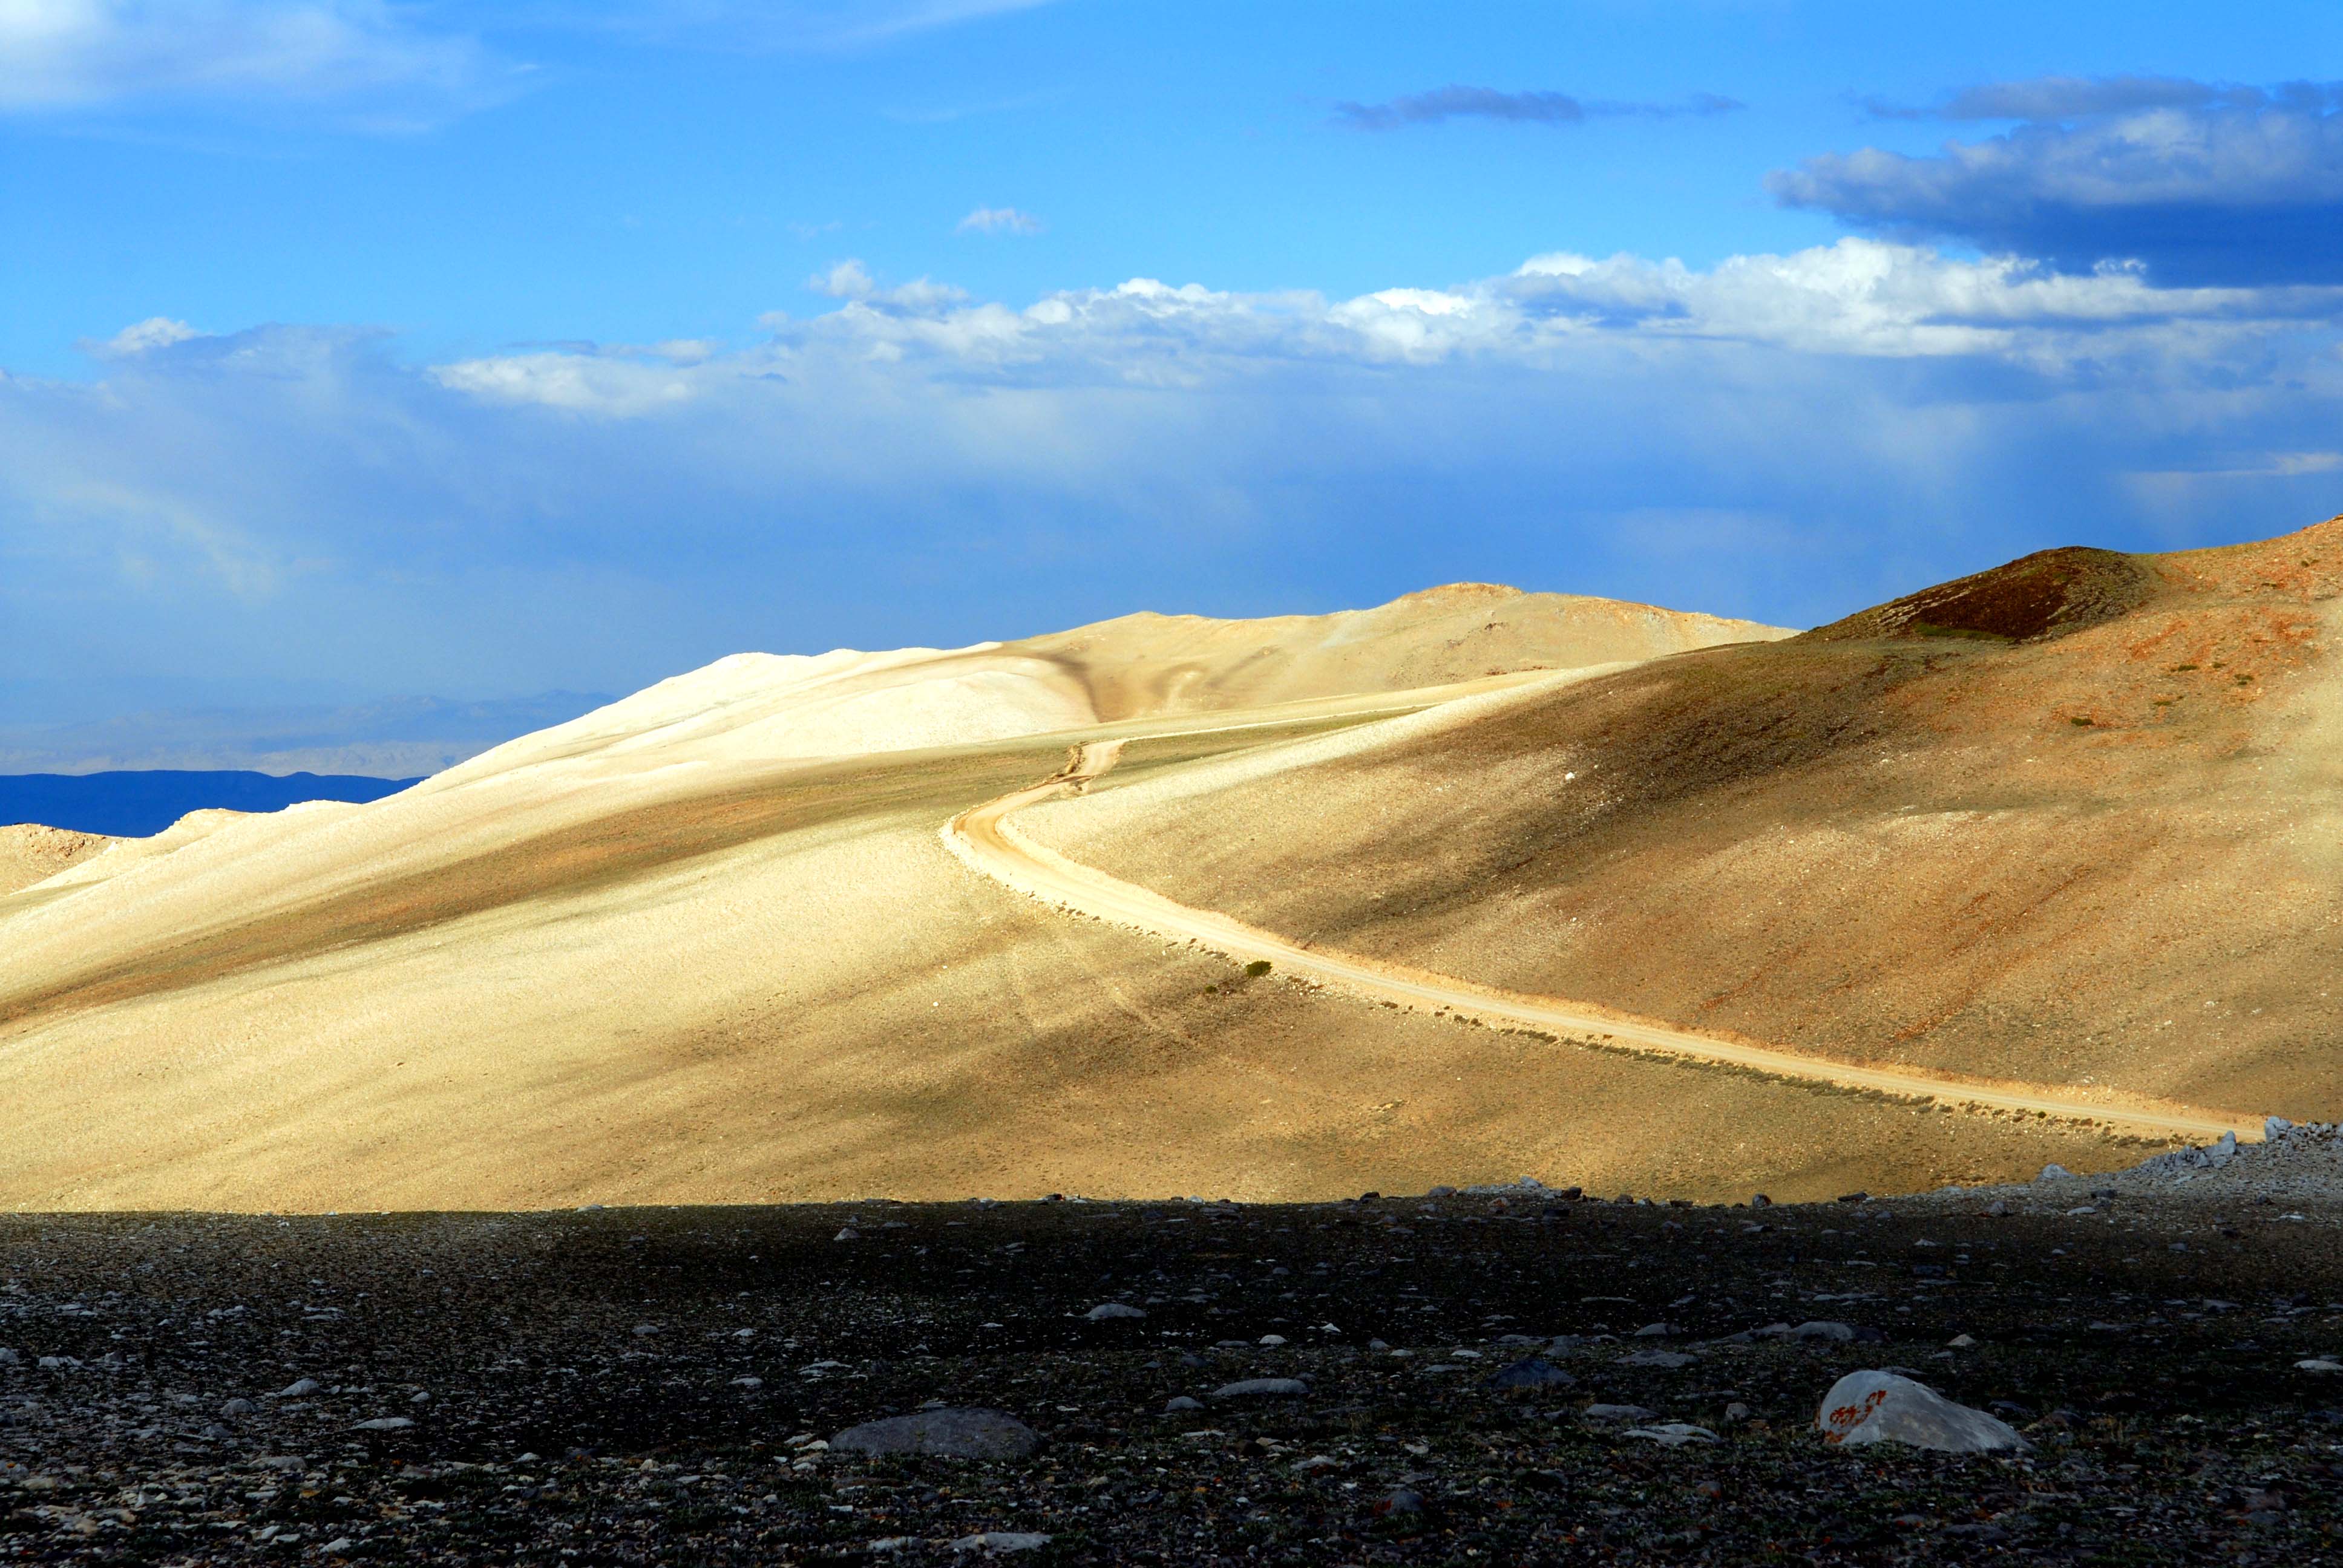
<point x="134" y="805"/>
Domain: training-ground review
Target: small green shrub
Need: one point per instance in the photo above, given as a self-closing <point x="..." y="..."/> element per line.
<point x="1258" y="968"/>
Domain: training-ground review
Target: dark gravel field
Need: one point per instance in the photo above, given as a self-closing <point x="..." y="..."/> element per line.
<point x="661" y="1386"/>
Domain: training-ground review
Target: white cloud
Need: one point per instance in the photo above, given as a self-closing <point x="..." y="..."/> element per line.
<point x="366" y="57"/>
<point x="850" y="280"/>
<point x="999" y="220"/>
<point x="1787" y="435"/>
<point x="155" y="332"/>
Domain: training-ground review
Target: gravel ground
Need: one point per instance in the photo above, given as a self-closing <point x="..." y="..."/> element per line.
<point x="659" y="1385"/>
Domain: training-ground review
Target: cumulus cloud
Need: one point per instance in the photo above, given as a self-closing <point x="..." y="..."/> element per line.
<point x="999" y="220"/>
<point x="2200" y="184"/>
<point x="850" y="280"/>
<point x="140" y="337"/>
<point x="1785" y="436"/>
<point x="1457" y="101"/>
<point x="365" y="59"/>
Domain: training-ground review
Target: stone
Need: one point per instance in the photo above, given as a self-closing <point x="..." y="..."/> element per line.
<point x="848" y="1234"/>
<point x="1761" y="1202"/>
<point x="236" y="1407"/>
<point x="992" y="1541"/>
<point x="1961" y="1341"/>
<point x="951" y="1433"/>
<point x="1669" y="1360"/>
<point x="1608" y="1414"/>
<point x="1866" y="1407"/>
<point x="1400" y="1500"/>
<point x="2318" y="1364"/>
<point x="339" y="1545"/>
<point x="1671" y="1433"/>
<point x="384" y="1423"/>
<point x="1533" y="1372"/>
<point x="299" y="1388"/>
<point x="1272" y="1340"/>
<point x="8" y="1358"/>
<point x="1441" y="1193"/>
<point x="2051" y="1173"/>
<point x="1835" y="1332"/>
<point x="1262" y="1388"/>
<point x="1180" y="1402"/>
<point x="1317" y="1464"/>
<point x="1655" y="1332"/>
<point x="1107" y="1310"/>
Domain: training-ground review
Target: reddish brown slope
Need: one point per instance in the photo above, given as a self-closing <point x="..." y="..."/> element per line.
<point x="2076" y="819"/>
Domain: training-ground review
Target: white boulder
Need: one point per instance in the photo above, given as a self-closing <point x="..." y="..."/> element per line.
<point x="1883" y="1407"/>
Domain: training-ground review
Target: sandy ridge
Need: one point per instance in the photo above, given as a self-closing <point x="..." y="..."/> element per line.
<point x="985" y="839"/>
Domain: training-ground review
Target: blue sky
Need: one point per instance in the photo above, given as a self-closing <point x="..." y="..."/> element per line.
<point x="365" y="349"/>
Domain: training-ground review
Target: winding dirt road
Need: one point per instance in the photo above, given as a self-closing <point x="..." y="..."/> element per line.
<point x="984" y="838"/>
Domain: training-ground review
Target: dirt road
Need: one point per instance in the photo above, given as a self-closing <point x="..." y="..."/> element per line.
<point x="984" y="838"/>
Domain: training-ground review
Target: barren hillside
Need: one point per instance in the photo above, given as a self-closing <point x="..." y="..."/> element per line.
<point x="2075" y="821"/>
<point x="31" y="853"/>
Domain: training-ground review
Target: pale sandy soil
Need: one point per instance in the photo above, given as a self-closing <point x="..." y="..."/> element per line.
<point x="707" y="945"/>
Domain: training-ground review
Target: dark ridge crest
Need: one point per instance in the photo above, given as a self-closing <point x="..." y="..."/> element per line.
<point x="2048" y="594"/>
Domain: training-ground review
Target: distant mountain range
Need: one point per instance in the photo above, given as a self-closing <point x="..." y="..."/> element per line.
<point x="135" y="805"/>
<point x="401" y="738"/>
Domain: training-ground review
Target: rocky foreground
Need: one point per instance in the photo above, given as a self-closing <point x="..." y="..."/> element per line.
<point x="1508" y="1376"/>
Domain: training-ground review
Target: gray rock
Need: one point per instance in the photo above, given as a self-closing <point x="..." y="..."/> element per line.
<point x="8" y="1358"/>
<point x="1670" y="1360"/>
<point x="952" y="1433"/>
<point x="1400" y="1500"/>
<point x="1180" y="1402"/>
<point x="1671" y="1433"/>
<point x="992" y="1541"/>
<point x="1836" y="1333"/>
<point x="2319" y="1364"/>
<point x="1535" y="1371"/>
<point x="236" y="1407"/>
<point x="1653" y="1332"/>
<point x="384" y="1423"/>
<point x="1608" y="1414"/>
<point x="1262" y="1388"/>
<point x="2052" y="1171"/>
<point x="1867" y="1407"/>
<point x="1105" y="1311"/>
<point x="299" y="1388"/>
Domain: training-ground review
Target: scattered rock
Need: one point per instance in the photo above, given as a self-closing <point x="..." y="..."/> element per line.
<point x="1400" y="1500"/>
<point x="1106" y="1310"/>
<point x="1535" y="1371"/>
<point x="994" y="1541"/>
<point x="951" y="1433"/>
<point x="1262" y="1388"/>
<point x="1669" y="1359"/>
<point x="299" y="1388"/>
<point x="1612" y="1414"/>
<point x="2053" y="1171"/>
<point x="384" y="1423"/>
<point x="1182" y="1402"/>
<point x="234" y="1408"/>
<point x="2318" y="1364"/>
<point x="1671" y="1433"/>
<point x="1866" y="1407"/>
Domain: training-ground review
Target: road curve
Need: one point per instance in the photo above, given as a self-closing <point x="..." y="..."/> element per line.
<point x="983" y="838"/>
